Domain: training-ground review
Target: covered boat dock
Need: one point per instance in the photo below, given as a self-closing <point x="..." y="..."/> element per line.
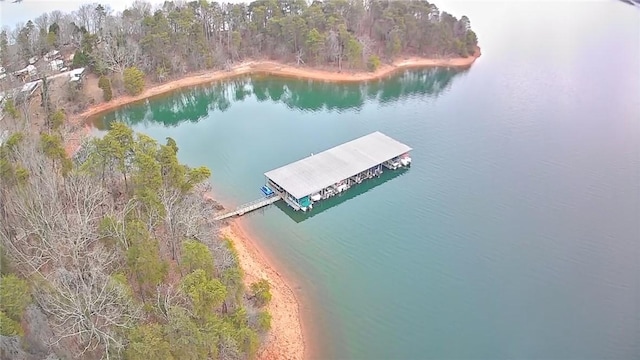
<point x="335" y="170"/>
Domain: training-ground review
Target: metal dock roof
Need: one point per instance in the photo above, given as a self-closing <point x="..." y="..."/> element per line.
<point x="316" y="172"/>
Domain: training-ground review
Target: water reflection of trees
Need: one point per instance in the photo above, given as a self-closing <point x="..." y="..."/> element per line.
<point x="190" y="105"/>
<point x="321" y="96"/>
<point x="196" y="103"/>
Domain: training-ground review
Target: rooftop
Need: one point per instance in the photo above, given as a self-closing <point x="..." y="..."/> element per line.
<point x="316" y="172"/>
<point x="75" y="74"/>
<point x="31" y="86"/>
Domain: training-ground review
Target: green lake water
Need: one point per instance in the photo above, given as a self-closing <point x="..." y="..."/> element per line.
<point x="516" y="232"/>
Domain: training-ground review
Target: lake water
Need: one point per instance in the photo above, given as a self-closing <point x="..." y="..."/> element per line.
<point x="516" y="232"/>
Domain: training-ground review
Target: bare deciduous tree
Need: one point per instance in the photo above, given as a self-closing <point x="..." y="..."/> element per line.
<point x="118" y="54"/>
<point x="367" y="47"/>
<point x="299" y="56"/>
<point x="55" y="237"/>
<point x="168" y="296"/>
<point x="42" y="22"/>
<point x="88" y="307"/>
<point x="334" y="48"/>
<point x="84" y="17"/>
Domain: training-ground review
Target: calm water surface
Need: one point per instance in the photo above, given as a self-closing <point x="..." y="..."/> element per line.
<point x="515" y="234"/>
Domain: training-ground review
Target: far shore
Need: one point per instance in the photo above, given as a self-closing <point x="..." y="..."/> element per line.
<point x="283" y="70"/>
<point x="82" y="129"/>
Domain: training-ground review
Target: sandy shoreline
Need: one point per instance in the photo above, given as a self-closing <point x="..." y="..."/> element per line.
<point x="284" y="70"/>
<point x="285" y="340"/>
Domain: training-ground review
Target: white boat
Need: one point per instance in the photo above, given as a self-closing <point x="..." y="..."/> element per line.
<point x="405" y="161"/>
<point x="316" y="197"/>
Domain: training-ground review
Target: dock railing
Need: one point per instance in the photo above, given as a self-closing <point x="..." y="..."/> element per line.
<point x="250" y="206"/>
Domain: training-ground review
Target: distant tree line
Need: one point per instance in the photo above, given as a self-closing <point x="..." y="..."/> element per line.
<point x="180" y="37"/>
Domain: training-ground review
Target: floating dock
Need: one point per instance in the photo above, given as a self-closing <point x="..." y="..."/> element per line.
<point x="333" y="171"/>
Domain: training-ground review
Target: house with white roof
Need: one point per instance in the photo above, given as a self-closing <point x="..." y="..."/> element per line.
<point x="52" y="55"/>
<point x="76" y="75"/>
<point x="56" y="65"/>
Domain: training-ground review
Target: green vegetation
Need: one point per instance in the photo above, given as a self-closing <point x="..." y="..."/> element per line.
<point x="263" y="321"/>
<point x="14" y="298"/>
<point x="133" y="80"/>
<point x="196" y="256"/>
<point x="373" y="63"/>
<point x="148" y="342"/>
<point x="261" y="292"/>
<point x="80" y="59"/>
<point x="124" y="251"/>
<point x="10" y="109"/>
<point x="57" y="119"/>
<point x="8" y="326"/>
<point x="105" y="84"/>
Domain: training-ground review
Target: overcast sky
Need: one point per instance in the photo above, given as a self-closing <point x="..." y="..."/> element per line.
<point x="12" y="14"/>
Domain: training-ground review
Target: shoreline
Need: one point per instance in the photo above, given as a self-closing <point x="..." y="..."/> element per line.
<point x="285" y="340"/>
<point x="81" y="129"/>
<point x="275" y="68"/>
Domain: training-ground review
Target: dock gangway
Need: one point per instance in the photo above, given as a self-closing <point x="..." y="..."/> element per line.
<point x="250" y="206"/>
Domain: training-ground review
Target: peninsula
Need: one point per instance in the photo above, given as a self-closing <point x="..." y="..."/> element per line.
<point x="147" y="234"/>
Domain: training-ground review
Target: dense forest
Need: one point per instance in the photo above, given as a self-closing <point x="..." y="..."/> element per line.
<point x="115" y="254"/>
<point x="180" y="37"/>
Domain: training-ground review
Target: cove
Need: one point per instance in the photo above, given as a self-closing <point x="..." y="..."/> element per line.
<point x="513" y="235"/>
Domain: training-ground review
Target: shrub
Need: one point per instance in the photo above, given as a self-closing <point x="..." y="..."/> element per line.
<point x="8" y="326"/>
<point x="10" y="108"/>
<point x="373" y="63"/>
<point x="105" y="84"/>
<point x="263" y="322"/>
<point x="133" y="80"/>
<point x="57" y="119"/>
<point x="80" y="59"/>
<point x="261" y="292"/>
<point x="14" y="296"/>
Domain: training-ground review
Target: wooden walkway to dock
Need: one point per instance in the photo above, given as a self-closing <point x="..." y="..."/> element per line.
<point x="248" y="207"/>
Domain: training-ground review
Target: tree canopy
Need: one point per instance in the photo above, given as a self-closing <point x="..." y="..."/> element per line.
<point x="122" y="251"/>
